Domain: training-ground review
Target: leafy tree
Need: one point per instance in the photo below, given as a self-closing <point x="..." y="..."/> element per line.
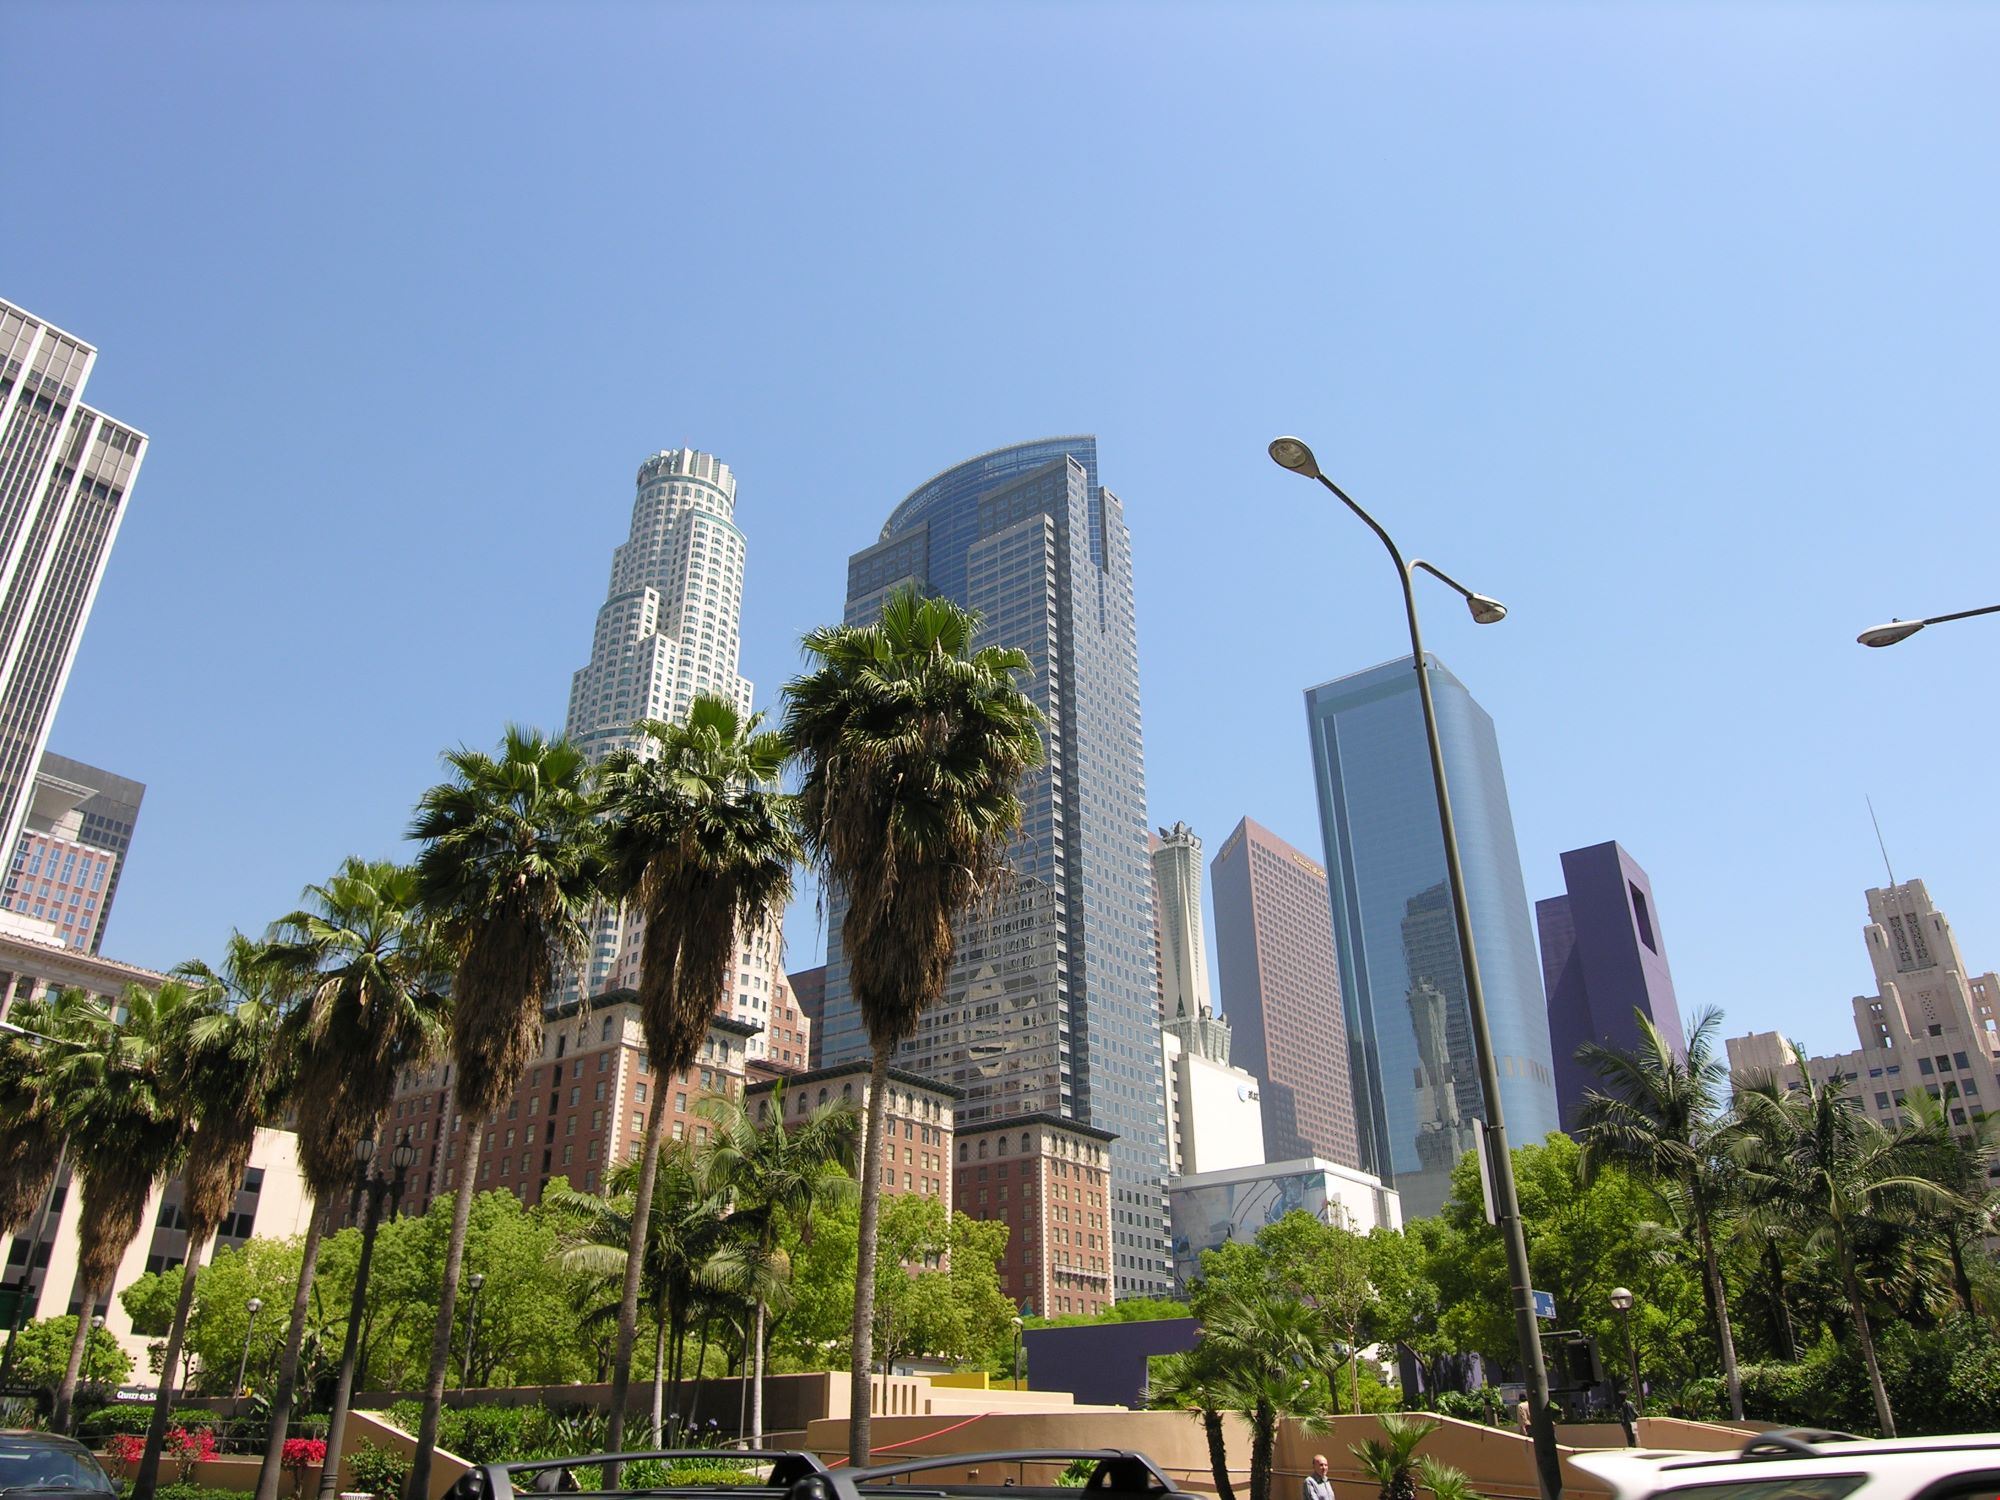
<point x="700" y="841"/>
<point x="911" y="744"/>
<point x="510" y="866"/>
<point x="266" y="1269"/>
<point x="223" y="1060"/>
<point x="1327" y="1268"/>
<point x="41" y="1355"/>
<point x="1661" y="1114"/>
<point x="1961" y="1162"/>
<point x="776" y="1175"/>
<point x="128" y="1129"/>
<point x="365" y="968"/>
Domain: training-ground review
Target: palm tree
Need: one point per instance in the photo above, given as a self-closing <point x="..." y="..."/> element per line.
<point x="1841" y="1173"/>
<point x="683" y="1233"/>
<point x="223" y="1059"/>
<point x="510" y="866"/>
<point x="366" y="968"/>
<point x="775" y="1175"/>
<point x="1662" y="1115"/>
<point x="1276" y="1358"/>
<point x="127" y="1129"/>
<point x="30" y="1134"/>
<point x="700" y="841"/>
<point x="1961" y="1162"/>
<point x="1196" y="1382"/>
<point x="911" y="746"/>
<point x="1391" y="1460"/>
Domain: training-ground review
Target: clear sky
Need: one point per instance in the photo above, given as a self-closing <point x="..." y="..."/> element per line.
<point x="1674" y="327"/>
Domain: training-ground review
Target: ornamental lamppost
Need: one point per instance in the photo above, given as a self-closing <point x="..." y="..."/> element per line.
<point x="1621" y="1303"/>
<point x="254" y="1306"/>
<point x="473" y="1283"/>
<point x="374" y="1187"/>
<point x="1290" y="453"/>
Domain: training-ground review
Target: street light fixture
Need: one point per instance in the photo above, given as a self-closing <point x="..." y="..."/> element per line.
<point x="1902" y="630"/>
<point x="254" y="1306"/>
<point x="1621" y="1303"/>
<point x="1293" y="454"/>
<point x="374" y="1187"/>
<point x="473" y="1283"/>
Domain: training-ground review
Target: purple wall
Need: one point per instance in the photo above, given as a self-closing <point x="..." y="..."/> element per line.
<point x="1604" y="954"/>
<point x="1102" y="1364"/>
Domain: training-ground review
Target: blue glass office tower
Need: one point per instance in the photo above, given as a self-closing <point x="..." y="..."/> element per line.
<point x="1052" y="1005"/>
<point x="1416" y="1086"/>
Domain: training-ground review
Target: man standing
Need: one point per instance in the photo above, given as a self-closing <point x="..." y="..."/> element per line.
<point x="1318" y="1486"/>
<point x="1628" y="1418"/>
<point x="1524" y="1418"/>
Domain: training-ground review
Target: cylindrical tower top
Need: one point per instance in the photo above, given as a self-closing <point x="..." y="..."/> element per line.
<point x="691" y="464"/>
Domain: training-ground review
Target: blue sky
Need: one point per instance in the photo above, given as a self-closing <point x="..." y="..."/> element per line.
<point x="1671" y="326"/>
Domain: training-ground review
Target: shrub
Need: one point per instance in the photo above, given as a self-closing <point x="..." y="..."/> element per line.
<point x="188" y="1446"/>
<point x="300" y="1454"/>
<point x="124" y="1417"/>
<point x="379" y="1471"/>
<point x="488" y="1434"/>
<point x="695" y="1471"/>
<point x="125" y="1449"/>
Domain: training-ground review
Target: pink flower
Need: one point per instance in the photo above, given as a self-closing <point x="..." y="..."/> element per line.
<point x="304" y="1453"/>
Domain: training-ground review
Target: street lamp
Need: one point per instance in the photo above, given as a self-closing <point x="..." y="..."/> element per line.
<point x="373" y="1186"/>
<point x="473" y="1283"/>
<point x="1017" y="1351"/>
<point x="1621" y="1303"/>
<point x="1290" y="453"/>
<point x="254" y="1306"/>
<point x="1902" y="630"/>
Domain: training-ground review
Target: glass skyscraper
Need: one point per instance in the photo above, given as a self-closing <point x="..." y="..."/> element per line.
<point x="1416" y="1086"/>
<point x="1052" y="1006"/>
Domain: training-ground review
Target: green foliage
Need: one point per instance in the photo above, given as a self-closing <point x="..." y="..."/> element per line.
<point x="953" y="1313"/>
<point x="1391" y="1460"/>
<point x="187" y="1489"/>
<point x="41" y="1353"/>
<point x="1132" y="1310"/>
<point x="378" y="1471"/>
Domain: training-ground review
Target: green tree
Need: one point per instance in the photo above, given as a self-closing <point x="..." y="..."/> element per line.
<point x="41" y="1355"/>
<point x="127" y="1128"/>
<point x="510" y="866"/>
<point x="1198" y="1382"/>
<point x="701" y="844"/>
<point x="1812" y="1148"/>
<point x="266" y="1269"/>
<point x="1960" y="1161"/>
<point x="30" y="1129"/>
<point x="1661" y="1114"/>
<point x="1327" y="1268"/>
<point x="222" y="1058"/>
<point x="777" y="1175"/>
<point x="911" y="745"/>
<point x="366" y="971"/>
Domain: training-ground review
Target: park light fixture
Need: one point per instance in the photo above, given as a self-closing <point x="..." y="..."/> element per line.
<point x="405" y="1155"/>
<point x="1902" y="630"/>
<point x="364" y="1150"/>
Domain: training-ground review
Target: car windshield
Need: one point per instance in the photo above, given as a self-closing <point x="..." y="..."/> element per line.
<point x="27" y="1464"/>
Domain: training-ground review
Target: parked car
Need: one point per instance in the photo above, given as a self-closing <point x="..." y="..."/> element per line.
<point x="42" y="1463"/>
<point x="1800" y="1464"/>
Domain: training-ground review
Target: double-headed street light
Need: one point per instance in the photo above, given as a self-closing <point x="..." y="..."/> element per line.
<point x="1902" y="630"/>
<point x="1291" y="453"/>
<point x="1621" y="1303"/>
<point x="372" y="1186"/>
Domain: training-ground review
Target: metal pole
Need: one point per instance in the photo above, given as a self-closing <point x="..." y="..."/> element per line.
<point x="1548" y="1467"/>
<point x="243" y="1364"/>
<point x="1632" y="1352"/>
<point x="28" y="1270"/>
<point x="343" y="1394"/>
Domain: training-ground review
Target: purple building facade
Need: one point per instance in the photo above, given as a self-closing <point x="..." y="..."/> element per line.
<point x="1603" y="958"/>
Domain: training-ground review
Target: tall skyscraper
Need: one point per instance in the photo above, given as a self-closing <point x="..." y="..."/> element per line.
<point x="669" y="627"/>
<point x="72" y="851"/>
<point x="1931" y="1023"/>
<point x="65" y="474"/>
<point x="1053" y="1005"/>
<point x="1401" y="975"/>
<point x="1602" y="959"/>
<point x="1281" y="987"/>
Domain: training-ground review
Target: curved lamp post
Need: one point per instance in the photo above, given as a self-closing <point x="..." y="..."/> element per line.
<point x="254" y="1306"/>
<point x="1290" y="453"/>
<point x="374" y="1187"/>
<point x="1621" y="1303"/>
<point x="1902" y="630"/>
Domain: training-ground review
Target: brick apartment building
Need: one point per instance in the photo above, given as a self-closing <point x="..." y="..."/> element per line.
<point x="916" y="1124"/>
<point x="1047" y="1179"/>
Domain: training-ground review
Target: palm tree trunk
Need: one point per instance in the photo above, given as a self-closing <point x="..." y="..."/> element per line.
<point x="700" y="1369"/>
<point x="659" y="1377"/>
<point x="148" y="1478"/>
<point x="1218" y="1453"/>
<point x="635" y="1270"/>
<point x="73" y="1371"/>
<point x="1263" y="1439"/>
<point x="1354" y="1365"/>
<point x="860" y="1387"/>
<point x="1712" y="1269"/>
<point x="1788" y="1340"/>
<point x="1959" y="1279"/>
<point x="419" y="1486"/>
<point x="757" y="1383"/>
<point x="288" y="1363"/>
<point x="1884" y="1418"/>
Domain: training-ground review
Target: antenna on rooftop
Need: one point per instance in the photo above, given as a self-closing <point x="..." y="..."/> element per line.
<point x="1879" y="840"/>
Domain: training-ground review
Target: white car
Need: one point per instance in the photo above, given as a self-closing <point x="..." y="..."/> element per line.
<point x="1802" y="1465"/>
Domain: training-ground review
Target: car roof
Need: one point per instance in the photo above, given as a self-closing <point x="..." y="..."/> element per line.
<point x="29" y="1434"/>
<point x="1634" y="1472"/>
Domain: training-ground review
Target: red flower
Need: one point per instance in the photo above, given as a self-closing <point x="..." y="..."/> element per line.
<point x="304" y="1453"/>
<point x="126" y="1448"/>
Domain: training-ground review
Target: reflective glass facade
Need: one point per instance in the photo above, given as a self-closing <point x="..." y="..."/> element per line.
<point x="1053" y="1006"/>
<point x="1401" y="978"/>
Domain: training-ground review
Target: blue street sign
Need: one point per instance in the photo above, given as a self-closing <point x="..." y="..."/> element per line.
<point x="1545" y="1304"/>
